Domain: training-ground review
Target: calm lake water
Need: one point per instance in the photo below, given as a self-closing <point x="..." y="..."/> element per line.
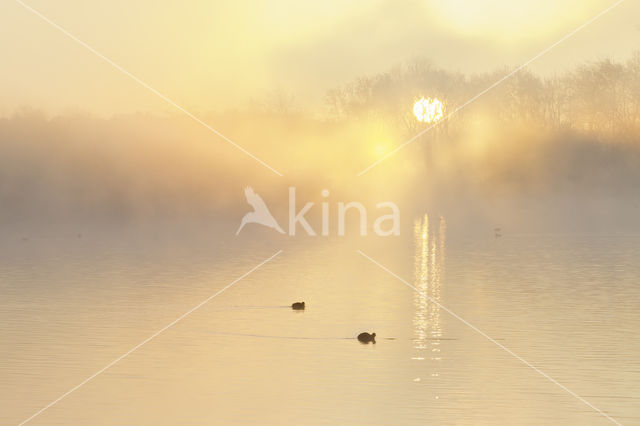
<point x="570" y="305"/>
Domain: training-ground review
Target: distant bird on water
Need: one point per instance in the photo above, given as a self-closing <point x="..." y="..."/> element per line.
<point x="298" y="306"/>
<point x="260" y="213"/>
<point x="366" y="337"/>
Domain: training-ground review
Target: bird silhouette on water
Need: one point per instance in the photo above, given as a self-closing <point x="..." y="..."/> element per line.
<point x="260" y="213"/>
<point x="298" y="306"/>
<point x="367" y="338"/>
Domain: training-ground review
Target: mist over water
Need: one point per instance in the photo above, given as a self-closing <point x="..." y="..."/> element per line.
<point x="520" y="214"/>
<point x="536" y="153"/>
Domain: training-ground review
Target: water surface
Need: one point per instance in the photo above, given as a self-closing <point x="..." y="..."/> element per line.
<point x="567" y="304"/>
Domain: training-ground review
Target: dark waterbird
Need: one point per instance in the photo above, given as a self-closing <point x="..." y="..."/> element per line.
<point x="366" y="337"/>
<point x="298" y="306"/>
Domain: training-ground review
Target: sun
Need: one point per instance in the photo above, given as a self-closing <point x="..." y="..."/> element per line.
<point x="428" y="110"/>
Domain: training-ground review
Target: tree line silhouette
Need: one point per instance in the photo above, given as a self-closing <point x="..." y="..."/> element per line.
<point x="599" y="99"/>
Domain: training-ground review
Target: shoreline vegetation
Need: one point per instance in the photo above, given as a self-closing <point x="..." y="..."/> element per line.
<point x="569" y="142"/>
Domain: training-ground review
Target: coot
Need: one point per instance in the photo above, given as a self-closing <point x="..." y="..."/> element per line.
<point x="366" y="337"/>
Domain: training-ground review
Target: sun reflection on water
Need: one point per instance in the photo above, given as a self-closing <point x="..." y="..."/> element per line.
<point x="430" y="242"/>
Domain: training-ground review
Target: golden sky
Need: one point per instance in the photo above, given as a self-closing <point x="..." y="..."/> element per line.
<point x="212" y="55"/>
